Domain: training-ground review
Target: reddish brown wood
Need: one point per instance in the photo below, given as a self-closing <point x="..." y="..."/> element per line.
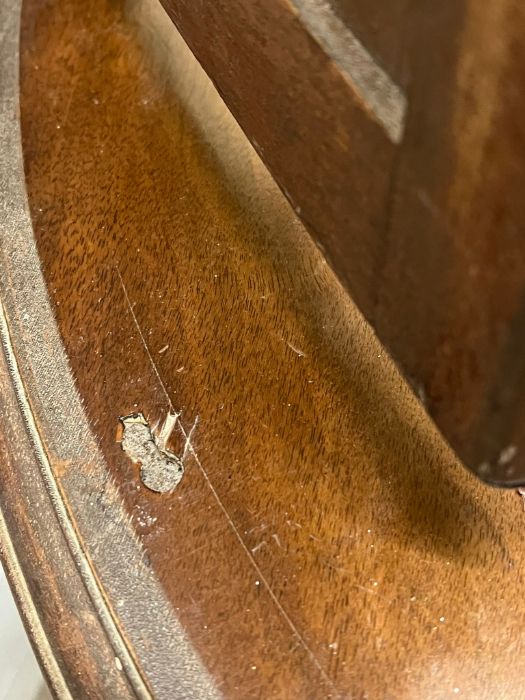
<point x="59" y="616"/>
<point x="326" y="543"/>
<point x="305" y="120"/>
<point x="380" y="27"/>
<point x="452" y="290"/>
<point x="426" y="235"/>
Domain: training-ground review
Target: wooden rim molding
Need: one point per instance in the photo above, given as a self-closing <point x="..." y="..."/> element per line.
<point x="132" y="608"/>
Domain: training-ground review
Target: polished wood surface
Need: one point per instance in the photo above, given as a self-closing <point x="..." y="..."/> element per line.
<point x="425" y="232"/>
<point x="324" y="541"/>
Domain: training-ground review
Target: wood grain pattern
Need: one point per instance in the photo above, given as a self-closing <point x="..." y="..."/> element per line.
<point x="324" y="542"/>
<point x="455" y="230"/>
<point x="335" y="177"/>
<point x="426" y="235"/>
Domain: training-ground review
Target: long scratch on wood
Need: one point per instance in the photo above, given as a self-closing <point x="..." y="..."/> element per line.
<point x="173" y="415"/>
<point x="189" y="447"/>
<point x="187" y="442"/>
<point x="260" y="574"/>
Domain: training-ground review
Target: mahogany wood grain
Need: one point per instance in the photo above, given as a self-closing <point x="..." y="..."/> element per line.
<point x="426" y="234"/>
<point x="324" y="542"/>
<point x="306" y="121"/>
<point x="60" y="619"/>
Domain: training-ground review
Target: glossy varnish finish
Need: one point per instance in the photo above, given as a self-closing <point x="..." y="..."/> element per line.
<point x="324" y="542"/>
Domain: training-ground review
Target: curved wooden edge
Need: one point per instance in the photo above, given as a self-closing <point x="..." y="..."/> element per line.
<point x="62" y="618"/>
<point x="63" y="624"/>
<point x="30" y="617"/>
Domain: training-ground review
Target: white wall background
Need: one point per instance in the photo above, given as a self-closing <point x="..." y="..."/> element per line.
<point x="20" y="676"/>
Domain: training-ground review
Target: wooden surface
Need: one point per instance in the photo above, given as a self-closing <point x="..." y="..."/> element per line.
<point x="324" y="542"/>
<point x="59" y="616"/>
<point x="426" y="232"/>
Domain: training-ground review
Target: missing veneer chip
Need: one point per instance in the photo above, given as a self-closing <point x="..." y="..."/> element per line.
<point x="160" y="470"/>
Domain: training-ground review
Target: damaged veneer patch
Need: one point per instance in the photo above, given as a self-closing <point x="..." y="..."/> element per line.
<point x="160" y="470"/>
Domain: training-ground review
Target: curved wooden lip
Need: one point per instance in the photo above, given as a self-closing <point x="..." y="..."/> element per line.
<point x="57" y="426"/>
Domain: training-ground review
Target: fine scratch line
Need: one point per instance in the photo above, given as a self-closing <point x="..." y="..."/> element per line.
<point x="260" y="574"/>
<point x="142" y="337"/>
<point x="173" y="416"/>
<point x="384" y="99"/>
<point x="187" y="444"/>
<point x="189" y="447"/>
